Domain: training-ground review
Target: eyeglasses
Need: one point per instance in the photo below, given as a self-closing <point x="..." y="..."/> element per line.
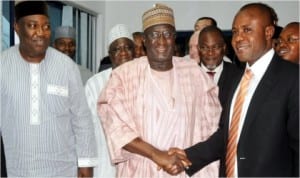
<point x="290" y="40"/>
<point x="214" y="48"/>
<point x="117" y="50"/>
<point x="157" y="35"/>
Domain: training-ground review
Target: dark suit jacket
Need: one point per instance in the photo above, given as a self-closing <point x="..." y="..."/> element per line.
<point x="226" y="82"/>
<point x="269" y="140"/>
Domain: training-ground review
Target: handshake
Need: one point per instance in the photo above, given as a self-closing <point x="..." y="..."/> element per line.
<point x="173" y="161"/>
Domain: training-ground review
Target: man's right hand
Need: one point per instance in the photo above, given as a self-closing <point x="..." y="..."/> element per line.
<point x="171" y="163"/>
<point x="181" y="155"/>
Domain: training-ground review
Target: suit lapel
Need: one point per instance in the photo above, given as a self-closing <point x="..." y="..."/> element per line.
<point x="226" y="74"/>
<point x="261" y="93"/>
<point x="223" y="75"/>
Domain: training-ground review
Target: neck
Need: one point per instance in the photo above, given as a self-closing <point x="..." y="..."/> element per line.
<point x="161" y="66"/>
<point x="32" y="58"/>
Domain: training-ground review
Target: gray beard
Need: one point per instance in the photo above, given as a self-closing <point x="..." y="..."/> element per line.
<point x="211" y="67"/>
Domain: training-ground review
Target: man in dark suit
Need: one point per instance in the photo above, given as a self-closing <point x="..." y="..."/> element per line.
<point x="267" y="143"/>
<point x="212" y="49"/>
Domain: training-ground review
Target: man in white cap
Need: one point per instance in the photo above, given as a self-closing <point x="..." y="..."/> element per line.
<point x="156" y="102"/>
<point x="121" y="50"/>
<point x="46" y="125"/>
<point x="65" y="42"/>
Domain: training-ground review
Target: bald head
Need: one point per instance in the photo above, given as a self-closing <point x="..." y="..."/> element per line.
<point x="204" y="22"/>
<point x="263" y="10"/>
<point x="212" y="29"/>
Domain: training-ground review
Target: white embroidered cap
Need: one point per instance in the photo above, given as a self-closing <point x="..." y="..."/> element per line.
<point x="118" y="31"/>
<point x="65" y="32"/>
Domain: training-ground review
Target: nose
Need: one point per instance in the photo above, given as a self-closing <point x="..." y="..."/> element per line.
<point x="161" y="39"/>
<point x="210" y="51"/>
<point x="68" y="47"/>
<point x="238" y="36"/>
<point x="124" y="51"/>
<point x="40" y="31"/>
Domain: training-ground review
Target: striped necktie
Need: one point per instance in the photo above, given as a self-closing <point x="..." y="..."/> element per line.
<point x="234" y="125"/>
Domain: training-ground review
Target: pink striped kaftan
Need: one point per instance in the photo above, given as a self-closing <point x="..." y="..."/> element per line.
<point x="135" y="104"/>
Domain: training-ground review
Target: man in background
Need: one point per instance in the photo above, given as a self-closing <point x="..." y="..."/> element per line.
<point x="121" y="50"/>
<point x="139" y="48"/>
<point x="46" y="125"/>
<point x="203" y="22"/>
<point x="193" y="48"/>
<point x="288" y="43"/>
<point x="65" y="42"/>
<point x="194" y="39"/>
<point x="212" y="49"/>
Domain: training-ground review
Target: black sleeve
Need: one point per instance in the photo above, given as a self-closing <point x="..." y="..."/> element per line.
<point x="205" y="152"/>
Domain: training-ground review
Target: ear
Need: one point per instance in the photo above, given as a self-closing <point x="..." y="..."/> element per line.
<point x="17" y="28"/>
<point x="269" y="32"/>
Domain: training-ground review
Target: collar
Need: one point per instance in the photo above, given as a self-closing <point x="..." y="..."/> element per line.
<point x="217" y="69"/>
<point x="261" y="65"/>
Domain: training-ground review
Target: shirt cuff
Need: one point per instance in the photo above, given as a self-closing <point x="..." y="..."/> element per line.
<point x="87" y="162"/>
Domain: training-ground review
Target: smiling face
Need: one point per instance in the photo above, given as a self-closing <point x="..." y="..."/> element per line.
<point x="212" y="48"/>
<point x="288" y="43"/>
<point x="66" y="46"/>
<point x="34" y="33"/>
<point x="251" y="34"/>
<point x="160" y="44"/>
<point x="120" y="51"/>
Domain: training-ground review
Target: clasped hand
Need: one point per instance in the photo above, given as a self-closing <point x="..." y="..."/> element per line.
<point x="173" y="161"/>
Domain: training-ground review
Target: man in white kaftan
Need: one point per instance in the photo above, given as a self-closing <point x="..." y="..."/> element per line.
<point x="45" y="122"/>
<point x="118" y="36"/>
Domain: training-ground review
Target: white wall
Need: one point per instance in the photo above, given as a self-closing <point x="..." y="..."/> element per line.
<point x="186" y="12"/>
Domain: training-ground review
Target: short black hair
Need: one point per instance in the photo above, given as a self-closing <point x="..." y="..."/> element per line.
<point x="212" y="28"/>
<point x="214" y="22"/>
<point x="134" y="34"/>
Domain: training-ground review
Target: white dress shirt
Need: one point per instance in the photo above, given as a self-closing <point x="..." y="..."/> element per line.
<point x="218" y="70"/>
<point x="258" y="69"/>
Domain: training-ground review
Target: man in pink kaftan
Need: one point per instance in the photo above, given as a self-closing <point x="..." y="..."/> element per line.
<point x="156" y="102"/>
